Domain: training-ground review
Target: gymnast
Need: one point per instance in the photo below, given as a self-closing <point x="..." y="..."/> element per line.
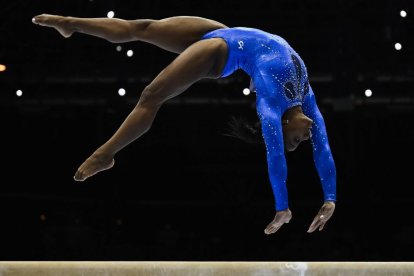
<point x="208" y="49"/>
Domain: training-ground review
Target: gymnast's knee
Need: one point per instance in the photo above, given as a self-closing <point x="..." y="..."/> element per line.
<point x="139" y="27"/>
<point x="150" y="98"/>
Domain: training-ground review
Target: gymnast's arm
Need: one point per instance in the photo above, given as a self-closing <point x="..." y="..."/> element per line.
<point x="322" y="155"/>
<point x="270" y="117"/>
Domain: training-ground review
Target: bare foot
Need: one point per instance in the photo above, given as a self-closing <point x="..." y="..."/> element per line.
<point x="60" y="23"/>
<point x="94" y="164"/>
<point x="281" y="218"/>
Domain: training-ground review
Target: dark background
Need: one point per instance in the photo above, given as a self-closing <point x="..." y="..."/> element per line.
<point x="184" y="191"/>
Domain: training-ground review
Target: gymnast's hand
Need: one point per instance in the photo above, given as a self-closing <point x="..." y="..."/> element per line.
<point x="324" y="214"/>
<point x="97" y="162"/>
<point x="281" y="218"/>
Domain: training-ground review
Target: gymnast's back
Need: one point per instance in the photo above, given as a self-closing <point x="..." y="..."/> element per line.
<point x="267" y="58"/>
<point x="249" y="47"/>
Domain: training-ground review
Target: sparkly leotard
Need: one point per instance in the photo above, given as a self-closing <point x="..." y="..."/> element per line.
<point x="281" y="82"/>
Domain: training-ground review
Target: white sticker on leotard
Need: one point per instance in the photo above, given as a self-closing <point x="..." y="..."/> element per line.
<point x="241" y="44"/>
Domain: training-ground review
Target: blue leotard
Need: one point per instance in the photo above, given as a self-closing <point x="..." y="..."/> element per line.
<point x="281" y="82"/>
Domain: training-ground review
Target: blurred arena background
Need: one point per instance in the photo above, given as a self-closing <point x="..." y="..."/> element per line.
<point x="185" y="191"/>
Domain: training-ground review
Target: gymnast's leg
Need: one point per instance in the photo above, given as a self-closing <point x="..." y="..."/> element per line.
<point x="174" y="34"/>
<point x="203" y="59"/>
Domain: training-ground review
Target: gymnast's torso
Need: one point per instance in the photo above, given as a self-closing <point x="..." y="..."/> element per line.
<point x="275" y="68"/>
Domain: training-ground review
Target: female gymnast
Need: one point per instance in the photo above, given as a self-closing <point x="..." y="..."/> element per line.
<point x="285" y="101"/>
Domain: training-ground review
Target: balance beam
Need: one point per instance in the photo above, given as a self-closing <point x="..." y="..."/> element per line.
<point x="205" y="268"/>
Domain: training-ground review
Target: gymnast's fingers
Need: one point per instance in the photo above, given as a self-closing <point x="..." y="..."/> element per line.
<point x="315" y="224"/>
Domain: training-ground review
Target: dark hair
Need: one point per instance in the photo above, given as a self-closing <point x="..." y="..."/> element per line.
<point x="242" y="129"/>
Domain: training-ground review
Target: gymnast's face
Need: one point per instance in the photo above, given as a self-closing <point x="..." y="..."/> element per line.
<point x="296" y="130"/>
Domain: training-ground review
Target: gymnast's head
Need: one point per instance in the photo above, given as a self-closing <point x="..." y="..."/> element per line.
<point x="296" y="128"/>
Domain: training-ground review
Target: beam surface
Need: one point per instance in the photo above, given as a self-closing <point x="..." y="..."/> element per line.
<point x="205" y="268"/>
